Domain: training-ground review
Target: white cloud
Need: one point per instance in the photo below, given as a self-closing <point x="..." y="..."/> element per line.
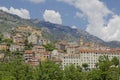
<point x="74" y="27"/>
<point x="96" y="11"/>
<point x="37" y="1"/>
<point x="23" y="13"/>
<point x="112" y="30"/>
<point x="52" y="16"/>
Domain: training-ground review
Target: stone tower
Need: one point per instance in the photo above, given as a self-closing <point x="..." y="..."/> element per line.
<point x="81" y="41"/>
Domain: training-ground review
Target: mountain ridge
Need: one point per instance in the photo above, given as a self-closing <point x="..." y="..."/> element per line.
<point x="51" y="31"/>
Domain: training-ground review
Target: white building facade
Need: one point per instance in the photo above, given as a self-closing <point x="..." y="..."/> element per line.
<point x="88" y="56"/>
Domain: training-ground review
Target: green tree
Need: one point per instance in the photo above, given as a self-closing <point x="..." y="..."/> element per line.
<point x="115" y="61"/>
<point x="72" y="73"/>
<point x="8" y="41"/>
<point x="104" y="66"/>
<point x="94" y="75"/>
<point x="1" y="37"/>
<point x="28" y="46"/>
<point x="49" y="70"/>
<point x="104" y="70"/>
<point x="15" y="69"/>
<point x="7" y="56"/>
<point x="85" y="66"/>
<point x="79" y="68"/>
<point x="112" y="74"/>
<point x="49" y="47"/>
<point x="104" y="63"/>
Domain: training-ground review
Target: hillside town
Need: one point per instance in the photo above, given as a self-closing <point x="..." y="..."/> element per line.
<point x="35" y="48"/>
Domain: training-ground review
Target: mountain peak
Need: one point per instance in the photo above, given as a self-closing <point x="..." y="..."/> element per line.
<point x="51" y="31"/>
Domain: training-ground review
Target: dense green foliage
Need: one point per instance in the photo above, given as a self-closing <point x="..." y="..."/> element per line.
<point x="49" y="47"/>
<point x="1" y="37"/>
<point x="5" y="40"/>
<point x="16" y="69"/>
<point x="85" y="66"/>
<point x="28" y="46"/>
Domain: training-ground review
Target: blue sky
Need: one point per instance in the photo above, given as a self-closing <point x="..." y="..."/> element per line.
<point x="37" y="10"/>
<point x="98" y="17"/>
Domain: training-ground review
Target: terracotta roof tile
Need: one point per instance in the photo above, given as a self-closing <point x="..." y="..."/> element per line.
<point x="28" y="51"/>
<point x="101" y="51"/>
